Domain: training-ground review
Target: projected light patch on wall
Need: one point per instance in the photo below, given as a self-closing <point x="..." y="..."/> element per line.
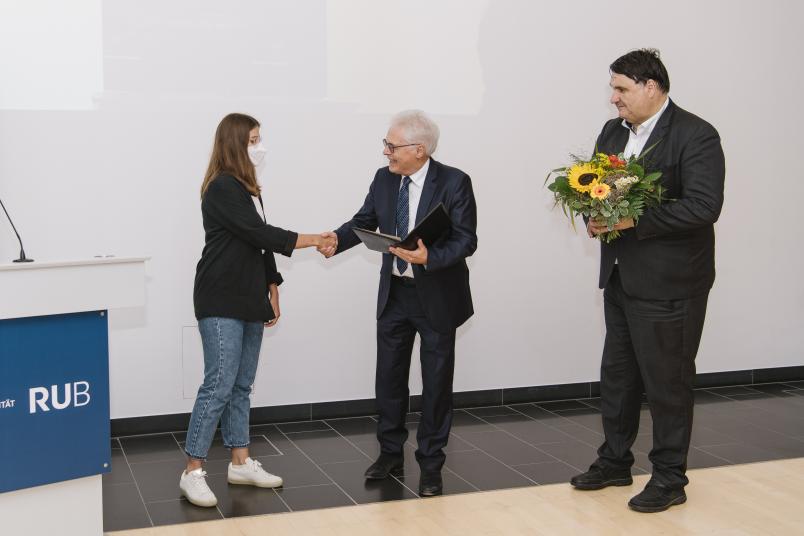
<point x="51" y="54"/>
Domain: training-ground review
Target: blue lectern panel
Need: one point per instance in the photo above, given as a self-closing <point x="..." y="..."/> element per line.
<point x="54" y="399"/>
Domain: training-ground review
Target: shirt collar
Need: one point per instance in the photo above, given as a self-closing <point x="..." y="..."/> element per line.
<point x="418" y="177"/>
<point x="650" y="123"/>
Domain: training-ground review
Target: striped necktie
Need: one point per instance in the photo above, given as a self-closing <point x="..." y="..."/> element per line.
<point x="403" y="218"/>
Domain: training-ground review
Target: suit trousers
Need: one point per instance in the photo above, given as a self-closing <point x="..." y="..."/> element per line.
<point x="650" y="346"/>
<point x="401" y="319"/>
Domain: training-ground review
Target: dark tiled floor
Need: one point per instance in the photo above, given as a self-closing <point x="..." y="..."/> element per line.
<point x="322" y="462"/>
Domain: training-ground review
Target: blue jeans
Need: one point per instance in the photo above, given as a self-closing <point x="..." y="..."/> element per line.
<point x="231" y="353"/>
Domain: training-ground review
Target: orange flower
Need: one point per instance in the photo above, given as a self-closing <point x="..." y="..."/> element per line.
<point x="600" y="191"/>
<point x="615" y="161"/>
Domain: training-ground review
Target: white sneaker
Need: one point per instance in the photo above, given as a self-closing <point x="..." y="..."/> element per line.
<point x="251" y="473"/>
<point x="193" y="485"/>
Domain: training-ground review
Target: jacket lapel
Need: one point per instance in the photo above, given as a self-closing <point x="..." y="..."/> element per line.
<point x="658" y="132"/>
<point x="387" y="217"/>
<point x="428" y="190"/>
<point x="616" y="142"/>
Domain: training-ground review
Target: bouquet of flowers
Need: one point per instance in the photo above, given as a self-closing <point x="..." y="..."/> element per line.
<point x="606" y="188"/>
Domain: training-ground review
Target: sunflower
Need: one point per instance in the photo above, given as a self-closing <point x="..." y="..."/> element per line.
<point x="600" y="191"/>
<point x="582" y="177"/>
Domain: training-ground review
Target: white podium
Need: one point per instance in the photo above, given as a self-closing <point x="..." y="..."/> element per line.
<point x="54" y="390"/>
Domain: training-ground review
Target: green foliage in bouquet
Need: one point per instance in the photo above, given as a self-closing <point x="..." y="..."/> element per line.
<point x="606" y="188"/>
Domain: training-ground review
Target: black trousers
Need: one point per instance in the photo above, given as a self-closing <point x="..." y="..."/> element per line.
<point x="651" y="346"/>
<point x="402" y="318"/>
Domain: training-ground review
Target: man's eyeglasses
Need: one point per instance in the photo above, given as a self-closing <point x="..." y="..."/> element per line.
<point x="391" y="147"/>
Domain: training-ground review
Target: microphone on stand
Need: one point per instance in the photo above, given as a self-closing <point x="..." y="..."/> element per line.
<point x="22" y="258"/>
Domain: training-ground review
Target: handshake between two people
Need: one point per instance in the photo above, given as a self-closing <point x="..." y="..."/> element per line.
<point x="327" y="245"/>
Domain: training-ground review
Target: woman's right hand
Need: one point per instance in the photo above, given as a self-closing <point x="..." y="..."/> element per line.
<point x="325" y="242"/>
<point x="328" y="244"/>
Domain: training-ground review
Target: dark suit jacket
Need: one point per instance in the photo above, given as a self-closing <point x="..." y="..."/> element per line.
<point x="443" y="287"/>
<point x="670" y="254"/>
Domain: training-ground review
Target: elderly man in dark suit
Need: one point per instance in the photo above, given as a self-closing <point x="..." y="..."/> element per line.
<point x="657" y="278"/>
<point x="424" y="291"/>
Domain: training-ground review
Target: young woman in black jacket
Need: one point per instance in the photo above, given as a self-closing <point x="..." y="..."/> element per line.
<point x="235" y="297"/>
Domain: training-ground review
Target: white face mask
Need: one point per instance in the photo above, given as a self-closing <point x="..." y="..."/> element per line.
<point x="257" y="154"/>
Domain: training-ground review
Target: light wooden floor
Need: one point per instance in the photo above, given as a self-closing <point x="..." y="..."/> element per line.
<point x="751" y="499"/>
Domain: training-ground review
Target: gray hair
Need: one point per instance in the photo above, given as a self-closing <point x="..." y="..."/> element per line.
<point x="418" y="128"/>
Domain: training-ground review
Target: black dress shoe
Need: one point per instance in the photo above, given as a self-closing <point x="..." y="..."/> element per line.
<point x="657" y="499"/>
<point x="430" y="484"/>
<point x="599" y="478"/>
<point x="384" y="465"/>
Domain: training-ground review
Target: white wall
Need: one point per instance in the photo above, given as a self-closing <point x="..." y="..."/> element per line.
<point x="515" y="86"/>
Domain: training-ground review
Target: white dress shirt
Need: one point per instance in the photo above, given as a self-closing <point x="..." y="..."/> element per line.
<point x="638" y="137"/>
<point x="414" y="195"/>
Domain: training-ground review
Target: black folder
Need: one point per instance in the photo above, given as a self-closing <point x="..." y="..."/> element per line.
<point x="435" y="225"/>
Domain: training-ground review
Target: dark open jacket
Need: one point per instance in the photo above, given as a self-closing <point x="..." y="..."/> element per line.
<point x="670" y="254"/>
<point x="237" y="263"/>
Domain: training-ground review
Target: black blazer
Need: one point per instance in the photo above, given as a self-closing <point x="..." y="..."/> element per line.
<point x="670" y="254"/>
<point x="232" y="277"/>
<point x="443" y="287"/>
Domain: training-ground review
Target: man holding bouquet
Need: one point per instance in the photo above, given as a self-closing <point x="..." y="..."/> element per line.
<point x="656" y="277"/>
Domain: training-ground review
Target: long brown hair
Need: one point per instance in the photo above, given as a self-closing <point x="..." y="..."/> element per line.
<point x="230" y="153"/>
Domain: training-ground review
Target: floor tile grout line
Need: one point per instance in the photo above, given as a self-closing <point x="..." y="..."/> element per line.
<point x="118" y="484"/>
<point x="306" y="486"/>
<point x="497" y="459"/>
<point x="327" y="464"/>
<point x="414" y="446"/>
<point x="137" y="486"/>
<point x="473" y="414"/>
<point x="551" y="443"/>
<point x="272" y="445"/>
<point x="308" y="431"/>
<point x="161" y="460"/>
<point x="181" y="449"/>
<point x="536" y="446"/>
<point x="475" y="488"/>
<point x="557" y="429"/>
<point x="711" y="391"/>
<point x="319" y="467"/>
<point x="582" y="426"/>
<point x="279" y="495"/>
<point x="714" y="455"/>
<point x="502" y="462"/>
<point x="751" y="423"/>
<point x="728" y="461"/>
<point x="545" y="462"/>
